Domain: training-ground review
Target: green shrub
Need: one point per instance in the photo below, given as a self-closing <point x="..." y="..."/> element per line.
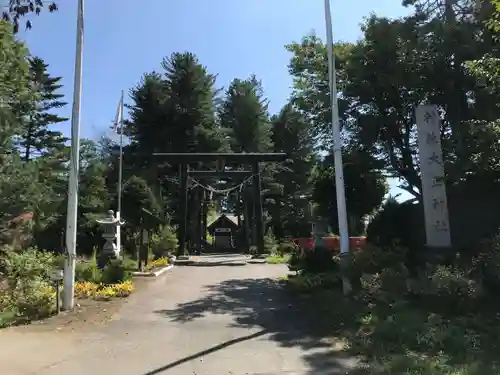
<point x="449" y="287"/>
<point x="87" y="271"/>
<point x="253" y="250"/>
<point x="295" y="261"/>
<point x="270" y="244"/>
<point x="396" y="222"/>
<point x="373" y="259"/>
<point x="29" y="294"/>
<point x="130" y="264"/>
<point x="59" y="260"/>
<point x="319" y="260"/>
<point x="115" y="272"/>
<point x="210" y="238"/>
<point x="165" y="241"/>
<point x="311" y="282"/>
<point x="485" y="265"/>
<point x="34" y="299"/>
<point x="277" y="259"/>
<point x="27" y="264"/>
<point x="285" y="248"/>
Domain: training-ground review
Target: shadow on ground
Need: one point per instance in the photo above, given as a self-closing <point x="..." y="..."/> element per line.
<point x="266" y="304"/>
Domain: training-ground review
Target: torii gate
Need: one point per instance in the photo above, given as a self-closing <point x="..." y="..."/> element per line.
<point x="221" y="158"/>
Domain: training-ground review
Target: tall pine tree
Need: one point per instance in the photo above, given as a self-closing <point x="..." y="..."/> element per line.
<point x="37" y="137"/>
<point x="291" y="135"/>
<point x="244" y="116"/>
<point x="172" y="112"/>
<point x="191" y="104"/>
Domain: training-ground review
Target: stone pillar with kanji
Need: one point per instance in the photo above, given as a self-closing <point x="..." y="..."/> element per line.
<point x="434" y="198"/>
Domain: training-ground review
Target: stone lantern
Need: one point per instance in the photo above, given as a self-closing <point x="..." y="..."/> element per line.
<point x="109" y="251"/>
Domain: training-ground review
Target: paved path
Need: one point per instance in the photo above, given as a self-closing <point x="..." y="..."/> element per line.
<point x="193" y="321"/>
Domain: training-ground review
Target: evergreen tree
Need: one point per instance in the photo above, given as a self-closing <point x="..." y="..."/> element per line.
<point x="191" y="105"/>
<point x="173" y="112"/>
<point x="37" y="137"/>
<point x="244" y="116"/>
<point x="14" y="89"/>
<point x="291" y="135"/>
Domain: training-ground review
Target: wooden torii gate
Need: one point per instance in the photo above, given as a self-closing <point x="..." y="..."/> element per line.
<point x="184" y="159"/>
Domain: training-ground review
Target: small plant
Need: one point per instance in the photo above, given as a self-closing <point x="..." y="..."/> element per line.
<point x="87" y="271"/>
<point x="85" y="289"/>
<point x="115" y="272"/>
<point x="129" y="264"/>
<point x="253" y="250"/>
<point x="123" y="289"/>
<point x="157" y="263"/>
<point x="270" y="244"/>
<point x="287" y="248"/>
<point x="106" y="293"/>
<point x="277" y="259"/>
<point x="29" y="293"/>
<point x="164" y="241"/>
<point x="310" y="282"/>
<point x="319" y="260"/>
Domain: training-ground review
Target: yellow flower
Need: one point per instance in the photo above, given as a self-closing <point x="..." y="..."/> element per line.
<point x="85" y="289"/>
<point x="160" y="262"/>
<point x="123" y="289"/>
<point x="105" y="293"/>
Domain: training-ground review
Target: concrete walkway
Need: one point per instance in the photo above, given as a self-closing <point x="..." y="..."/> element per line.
<point x="193" y="320"/>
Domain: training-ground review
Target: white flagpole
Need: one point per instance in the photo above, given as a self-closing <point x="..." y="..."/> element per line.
<point x="120" y="177"/>
<point x="74" y="166"/>
<point x="337" y="145"/>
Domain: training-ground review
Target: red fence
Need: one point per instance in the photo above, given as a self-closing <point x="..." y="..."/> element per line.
<point x="331" y="243"/>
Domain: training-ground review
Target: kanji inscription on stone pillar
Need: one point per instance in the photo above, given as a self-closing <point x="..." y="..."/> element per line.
<point x="437" y="223"/>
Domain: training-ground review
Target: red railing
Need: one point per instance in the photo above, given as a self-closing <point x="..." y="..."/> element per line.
<point x="331" y="243"/>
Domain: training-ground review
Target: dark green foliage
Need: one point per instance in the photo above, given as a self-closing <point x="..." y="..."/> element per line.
<point x="244" y="116"/>
<point x="138" y="195"/>
<point x="270" y="244"/>
<point x="38" y="138"/>
<point x="29" y="293"/>
<point x="388" y="225"/>
<point x="287" y="248"/>
<point x="365" y="188"/>
<point x="115" y="272"/>
<point x="288" y="202"/>
<point x="316" y="261"/>
<point x="165" y="242"/>
<point x="319" y="260"/>
<point x="87" y="272"/>
<point x="172" y="112"/>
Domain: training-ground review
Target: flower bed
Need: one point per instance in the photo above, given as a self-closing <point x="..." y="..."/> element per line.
<point x="88" y="289"/>
<point x="157" y="263"/>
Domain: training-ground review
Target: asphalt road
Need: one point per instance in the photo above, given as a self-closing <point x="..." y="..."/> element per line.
<point x="218" y="320"/>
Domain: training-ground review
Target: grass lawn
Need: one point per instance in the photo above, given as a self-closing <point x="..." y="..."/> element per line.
<point x="276" y="259"/>
<point x="397" y="335"/>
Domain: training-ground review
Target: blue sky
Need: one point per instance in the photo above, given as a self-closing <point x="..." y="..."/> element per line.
<point x="233" y="38"/>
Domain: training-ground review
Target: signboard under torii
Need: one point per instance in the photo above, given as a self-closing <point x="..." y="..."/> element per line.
<point x="437" y="225"/>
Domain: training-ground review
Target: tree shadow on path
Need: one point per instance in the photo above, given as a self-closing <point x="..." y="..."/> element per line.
<point x="267" y="305"/>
